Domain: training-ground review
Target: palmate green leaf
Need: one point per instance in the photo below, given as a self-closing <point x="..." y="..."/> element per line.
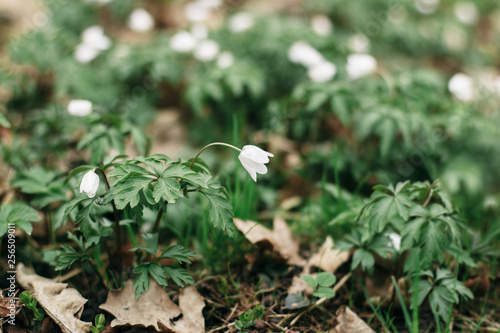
<point x="183" y="172"/>
<point x="411" y="233"/>
<point x="424" y="287"/>
<point x="141" y="281"/>
<point x="127" y="191"/>
<point x="220" y="211"/>
<point x="310" y="281"/>
<point x="67" y="257"/>
<point x="179" y="253"/>
<point x="324" y="292"/>
<point x="167" y="189"/>
<point x="18" y="213"/>
<point x="365" y="258"/>
<point x="178" y="275"/>
<point x="435" y="242"/>
<point x="326" y="279"/>
<point x="158" y="274"/>
<point x="441" y="300"/>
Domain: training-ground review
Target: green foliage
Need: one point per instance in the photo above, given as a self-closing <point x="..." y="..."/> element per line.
<point x="30" y="302"/>
<point x="19" y="214"/>
<point x="321" y="284"/>
<point x="248" y="318"/>
<point x="100" y="321"/>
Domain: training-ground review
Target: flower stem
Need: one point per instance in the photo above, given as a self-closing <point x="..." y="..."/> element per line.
<point x="156" y="227"/>
<point x="210" y="145"/>
<point x="117" y="225"/>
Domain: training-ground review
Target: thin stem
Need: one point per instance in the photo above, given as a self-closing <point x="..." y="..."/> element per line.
<point x="156" y="227"/>
<point x="428" y="194"/>
<point x="117" y="225"/>
<point x="210" y="145"/>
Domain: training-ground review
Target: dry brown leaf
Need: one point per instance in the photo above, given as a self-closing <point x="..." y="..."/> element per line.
<point x="280" y="238"/>
<point x="155" y="309"/>
<point x="298" y="286"/>
<point x="349" y="322"/>
<point x="58" y="301"/>
<point x="329" y="259"/>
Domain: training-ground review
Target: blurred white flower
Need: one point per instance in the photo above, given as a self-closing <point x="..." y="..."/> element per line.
<point x="395" y="241"/>
<point x="462" y="86"/>
<point x="321" y="25"/>
<point x="253" y="159"/>
<point x="90" y="184"/>
<point x="85" y="53"/>
<point x="182" y="42"/>
<point x="466" y="12"/>
<point x="359" y="65"/>
<point x="196" y="12"/>
<point x="98" y="1"/>
<point x="210" y="3"/>
<point x="199" y="31"/>
<point x="240" y="22"/>
<point x="454" y="37"/>
<point x="79" y="107"/>
<point x="359" y="43"/>
<point x="140" y="20"/>
<point x="303" y="53"/>
<point x="426" y="7"/>
<point x="322" y="72"/>
<point x="94" y="36"/>
<point x="206" y="50"/>
<point x="497" y="85"/>
<point x="225" y="60"/>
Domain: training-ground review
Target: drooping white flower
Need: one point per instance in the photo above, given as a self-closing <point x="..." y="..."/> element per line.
<point x="321" y="25"/>
<point x="90" y="184"/>
<point x="182" y="42"/>
<point x="80" y="107"/>
<point x="322" y="72"/>
<point x="141" y="20"/>
<point x="426" y="7"/>
<point x="253" y="159"/>
<point x="85" y="53"/>
<point x="359" y="43"/>
<point x="206" y="50"/>
<point x="466" y="12"/>
<point x="462" y="86"/>
<point x="305" y="54"/>
<point x="196" y="12"/>
<point x="94" y="36"/>
<point x="359" y="65"/>
<point x="240" y="22"/>
<point x="395" y="240"/>
<point x="225" y="60"/>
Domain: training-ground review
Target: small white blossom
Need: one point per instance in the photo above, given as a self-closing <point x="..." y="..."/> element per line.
<point x="141" y="20"/>
<point x="322" y="72"/>
<point x="85" y="53"/>
<point x="182" y="42"/>
<point x="80" y="107"/>
<point x="199" y="31"/>
<point x="196" y="12"/>
<point x="462" y="86"/>
<point x="303" y="53"/>
<point x="94" y="36"/>
<point x="321" y="25"/>
<point x="210" y="3"/>
<point x="206" y="50"/>
<point x="253" y="159"/>
<point x="90" y="184"/>
<point x="225" y="60"/>
<point x="240" y="22"/>
<point x="359" y="43"/>
<point x="359" y="65"/>
<point x="395" y="241"/>
<point x="426" y="7"/>
<point x="466" y="12"/>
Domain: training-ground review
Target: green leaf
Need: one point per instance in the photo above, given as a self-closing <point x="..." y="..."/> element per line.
<point x="324" y="292"/>
<point x="178" y="275"/>
<point x="18" y="213"/>
<point x="158" y="274"/>
<point x="167" y="189"/>
<point x="67" y="257"/>
<point x="441" y="300"/>
<point x="151" y="241"/>
<point x="435" y="242"/>
<point x="424" y="287"/>
<point x="220" y="211"/>
<point x="185" y="173"/>
<point x="326" y="279"/>
<point x="364" y="258"/>
<point x="310" y="281"/>
<point x="77" y="171"/>
<point x="127" y="191"/>
<point x="3" y="121"/>
<point x="141" y="281"/>
<point x="179" y="253"/>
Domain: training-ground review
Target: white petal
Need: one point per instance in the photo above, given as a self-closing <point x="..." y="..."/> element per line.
<point x="248" y="168"/>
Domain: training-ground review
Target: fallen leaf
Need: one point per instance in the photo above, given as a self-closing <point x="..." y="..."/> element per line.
<point x="329" y="259"/>
<point x="155" y="309"/>
<point x="280" y="239"/>
<point x="298" y="286"/>
<point x="6" y="303"/>
<point x="349" y="322"/>
<point x="58" y="301"/>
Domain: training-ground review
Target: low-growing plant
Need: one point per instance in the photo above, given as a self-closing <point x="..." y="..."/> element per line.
<point x="249" y="317"/>
<point x="30" y="302"/>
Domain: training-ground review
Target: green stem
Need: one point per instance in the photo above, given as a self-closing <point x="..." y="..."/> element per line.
<point x="156" y="227"/>
<point x="117" y="225"/>
<point x="210" y="145"/>
<point x="428" y="194"/>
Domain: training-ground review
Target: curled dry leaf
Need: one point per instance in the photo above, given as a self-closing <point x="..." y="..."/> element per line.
<point x="280" y="239"/>
<point x="349" y="322"/>
<point x="155" y="309"/>
<point x="62" y="304"/>
<point x="329" y="259"/>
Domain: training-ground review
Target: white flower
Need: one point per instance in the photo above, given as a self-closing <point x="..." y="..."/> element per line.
<point x="321" y="25"/>
<point x="80" y="107"/>
<point x="240" y="22"/>
<point x="359" y="43"/>
<point x="199" y="31"/>
<point x="253" y="159"/>
<point x="90" y="184"/>
<point x="210" y="3"/>
<point x="94" y="36"/>
<point x="182" y="41"/>
<point x="85" y="53"/>
<point x="497" y="85"/>
<point x="196" y="12"/>
<point x="359" y="65"/>
<point x="140" y="20"/>
<point x="225" y="60"/>
<point x="395" y="240"/>
<point x="303" y="53"/>
<point x="426" y="7"/>
<point x="466" y="12"/>
<point x="206" y="50"/>
<point x="322" y="72"/>
<point x="462" y="86"/>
